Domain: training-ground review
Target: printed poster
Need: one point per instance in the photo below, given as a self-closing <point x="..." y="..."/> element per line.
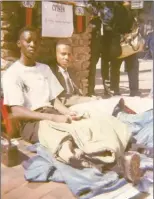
<point x="57" y="20"/>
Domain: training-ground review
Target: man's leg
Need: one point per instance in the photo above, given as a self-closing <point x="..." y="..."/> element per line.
<point x="136" y="122"/>
<point x="132" y="66"/>
<point x="115" y="75"/>
<point x="95" y="54"/>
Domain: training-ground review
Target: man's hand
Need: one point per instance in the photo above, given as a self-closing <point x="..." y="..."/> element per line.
<point x="76" y="116"/>
<point x="60" y="118"/>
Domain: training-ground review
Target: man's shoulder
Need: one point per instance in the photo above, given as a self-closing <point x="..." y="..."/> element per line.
<point x="42" y="65"/>
<point x="12" y="70"/>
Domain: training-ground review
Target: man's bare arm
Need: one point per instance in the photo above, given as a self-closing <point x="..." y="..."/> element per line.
<point x="64" y="110"/>
<point x="23" y="113"/>
<point x="60" y="107"/>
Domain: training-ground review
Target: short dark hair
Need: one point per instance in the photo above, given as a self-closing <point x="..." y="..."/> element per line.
<point x="64" y="42"/>
<point x="28" y="28"/>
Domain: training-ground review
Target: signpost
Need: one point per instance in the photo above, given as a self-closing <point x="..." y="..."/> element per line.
<point x="29" y="5"/>
<point x="80" y="18"/>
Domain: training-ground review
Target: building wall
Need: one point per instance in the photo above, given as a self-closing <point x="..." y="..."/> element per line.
<point x="13" y="18"/>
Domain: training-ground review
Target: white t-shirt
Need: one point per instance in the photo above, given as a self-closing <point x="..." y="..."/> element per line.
<point x="31" y="87"/>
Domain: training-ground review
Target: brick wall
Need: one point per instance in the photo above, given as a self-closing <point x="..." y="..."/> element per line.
<point x="13" y="18"/>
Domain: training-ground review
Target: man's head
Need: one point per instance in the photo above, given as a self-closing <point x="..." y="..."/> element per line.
<point x="64" y="53"/>
<point x="28" y="42"/>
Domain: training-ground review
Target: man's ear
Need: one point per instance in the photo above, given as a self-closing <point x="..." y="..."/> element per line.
<point x="18" y="44"/>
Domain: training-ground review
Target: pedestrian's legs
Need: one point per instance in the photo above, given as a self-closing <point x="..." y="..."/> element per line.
<point x="105" y="58"/>
<point x="95" y="54"/>
<point x="115" y="74"/>
<point x="105" y="69"/>
<point x="136" y="122"/>
<point x="132" y="66"/>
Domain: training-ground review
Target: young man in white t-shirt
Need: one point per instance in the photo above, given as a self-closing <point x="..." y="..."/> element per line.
<point x="31" y="90"/>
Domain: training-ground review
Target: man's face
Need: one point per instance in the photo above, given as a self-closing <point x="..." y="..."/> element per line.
<point x="28" y="44"/>
<point x="64" y="55"/>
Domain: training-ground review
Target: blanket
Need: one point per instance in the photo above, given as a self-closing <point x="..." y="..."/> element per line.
<point x="94" y="136"/>
<point x="106" y="106"/>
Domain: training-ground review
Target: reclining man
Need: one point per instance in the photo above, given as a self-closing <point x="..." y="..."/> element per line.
<point x="31" y="90"/>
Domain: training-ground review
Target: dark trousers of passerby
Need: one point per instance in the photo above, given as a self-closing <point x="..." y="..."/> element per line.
<point x="95" y="54"/>
<point x="110" y="67"/>
<point x="132" y="68"/>
<point x="106" y="42"/>
<point x="105" y="54"/>
<point x="115" y="75"/>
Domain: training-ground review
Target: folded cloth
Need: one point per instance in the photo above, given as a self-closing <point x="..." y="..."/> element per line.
<point x="102" y="138"/>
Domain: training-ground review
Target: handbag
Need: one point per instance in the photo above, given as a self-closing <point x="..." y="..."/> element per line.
<point x="131" y="43"/>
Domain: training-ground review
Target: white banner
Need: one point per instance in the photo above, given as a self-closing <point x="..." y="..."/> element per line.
<point x="137" y="4"/>
<point x="57" y="20"/>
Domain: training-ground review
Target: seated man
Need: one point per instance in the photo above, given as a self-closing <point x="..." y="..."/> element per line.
<point x="31" y="91"/>
<point x="64" y="72"/>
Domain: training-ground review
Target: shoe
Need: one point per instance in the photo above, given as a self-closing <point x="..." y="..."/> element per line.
<point x="135" y="93"/>
<point x="116" y="93"/>
<point x="90" y="94"/>
<point x="107" y="90"/>
<point x="119" y="107"/>
<point x="128" y="110"/>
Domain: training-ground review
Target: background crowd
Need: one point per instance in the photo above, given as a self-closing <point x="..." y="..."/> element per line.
<point x="108" y="29"/>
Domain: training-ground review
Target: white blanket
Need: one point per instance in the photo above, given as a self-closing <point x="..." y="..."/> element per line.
<point x="106" y="106"/>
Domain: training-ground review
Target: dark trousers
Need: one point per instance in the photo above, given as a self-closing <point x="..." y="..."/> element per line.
<point x="106" y="41"/>
<point x="132" y="68"/>
<point x="110" y="50"/>
<point x="95" y="54"/>
<point x="115" y="74"/>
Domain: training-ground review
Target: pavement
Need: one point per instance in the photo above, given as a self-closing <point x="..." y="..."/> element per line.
<point x="145" y="78"/>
